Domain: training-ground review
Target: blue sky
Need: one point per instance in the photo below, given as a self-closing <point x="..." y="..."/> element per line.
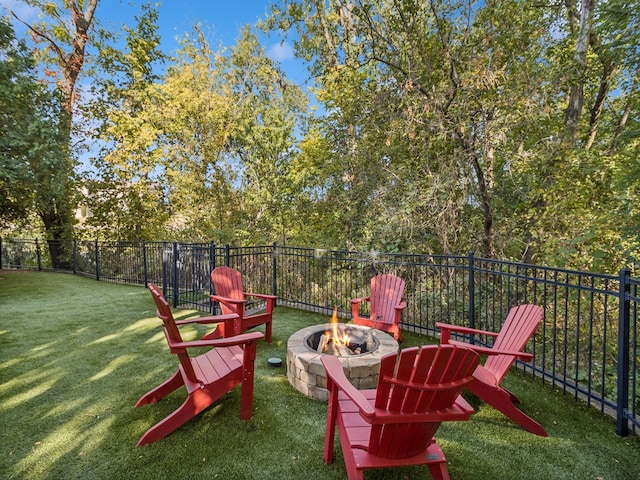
<point x="223" y="18"/>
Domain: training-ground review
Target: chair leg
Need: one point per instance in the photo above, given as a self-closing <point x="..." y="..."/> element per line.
<point x="330" y="429"/>
<point x="500" y="399"/>
<point x="194" y="404"/>
<point x="267" y="332"/>
<point x="351" y="465"/>
<point x="437" y="462"/>
<point x="246" y="395"/>
<point x="162" y="390"/>
<point x="525" y="421"/>
<point x="512" y="396"/>
<point x="439" y="471"/>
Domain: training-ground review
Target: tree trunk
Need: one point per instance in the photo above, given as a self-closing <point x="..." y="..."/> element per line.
<point x="576" y="97"/>
<point x="596" y="110"/>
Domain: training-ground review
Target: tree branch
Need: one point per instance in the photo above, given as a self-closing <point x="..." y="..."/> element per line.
<point x="59" y="52"/>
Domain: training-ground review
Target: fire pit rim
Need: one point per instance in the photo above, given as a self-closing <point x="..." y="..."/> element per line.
<point x="342" y="326"/>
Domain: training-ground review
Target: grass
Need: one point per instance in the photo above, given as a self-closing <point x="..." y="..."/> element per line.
<point x="76" y="355"/>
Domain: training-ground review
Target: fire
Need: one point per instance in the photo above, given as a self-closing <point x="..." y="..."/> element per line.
<point x="339" y="339"/>
<point x="334" y="341"/>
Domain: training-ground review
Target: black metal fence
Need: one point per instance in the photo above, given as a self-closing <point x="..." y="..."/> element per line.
<point x="587" y="344"/>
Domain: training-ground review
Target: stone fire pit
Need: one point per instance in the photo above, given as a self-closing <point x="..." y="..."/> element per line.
<point x="306" y="373"/>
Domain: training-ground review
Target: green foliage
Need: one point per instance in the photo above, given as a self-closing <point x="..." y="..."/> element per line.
<point x="449" y="127"/>
<point x="506" y="128"/>
<point x="34" y="174"/>
<point x="126" y="199"/>
<point x="18" y="88"/>
<point x="206" y="148"/>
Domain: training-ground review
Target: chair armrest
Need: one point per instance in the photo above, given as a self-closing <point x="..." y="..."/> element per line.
<point x="218" y="298"/>
<point x="221" y="342"/>
<point x="335" y="372"/>
<point x="480" y="350"/>
<point x="270" y="300"/>
<point x="261" y="295"/>
<point x="452" y="413"/>
<point x="209" y="319"/>
<point x="401" y="306"/>
<point x="447" y="328"/>
<point x="360" y="300"/>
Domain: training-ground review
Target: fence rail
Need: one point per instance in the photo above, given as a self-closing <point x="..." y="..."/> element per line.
<point x="587" y="344"/>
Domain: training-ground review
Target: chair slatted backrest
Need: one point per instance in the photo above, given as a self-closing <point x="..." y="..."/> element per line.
<point x="171" y="332"/>
<point x="227" y="282"/>
<point x="427" y="379"/>
<point x="519" y="326"/>
<point x="386" y="293"/>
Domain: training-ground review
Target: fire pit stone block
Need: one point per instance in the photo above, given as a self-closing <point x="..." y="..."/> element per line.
<point x="306" y="373"/>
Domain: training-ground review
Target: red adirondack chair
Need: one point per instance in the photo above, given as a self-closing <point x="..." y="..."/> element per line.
<point x="394" y="425"/>
<point x="520" y="325"/>
<point x="227" y="284"/>
<point x="386" y="305"/>
<point x="207" y="377"/>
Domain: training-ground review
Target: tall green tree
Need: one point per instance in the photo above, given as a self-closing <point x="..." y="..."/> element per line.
<point x="415" y="114"/>
<point x="124" y="193"/>
<point x="269" y="111"/>
<point x="61" y="40"/>
<point x="29" y="152"/>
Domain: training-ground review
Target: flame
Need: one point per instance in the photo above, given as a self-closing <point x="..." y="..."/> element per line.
<point x="339" y="338"/>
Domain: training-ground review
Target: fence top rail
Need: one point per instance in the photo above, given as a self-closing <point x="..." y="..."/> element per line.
<point x="377" y="257"/>
<point x="556" y="270"/>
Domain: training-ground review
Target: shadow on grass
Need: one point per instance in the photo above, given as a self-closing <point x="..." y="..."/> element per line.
<point x="77" y="354"/>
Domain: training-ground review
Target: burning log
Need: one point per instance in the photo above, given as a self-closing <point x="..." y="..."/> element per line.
<point x="330" y="347"/>
<point x="322" y="344"/>
<point x="343" y="350"/>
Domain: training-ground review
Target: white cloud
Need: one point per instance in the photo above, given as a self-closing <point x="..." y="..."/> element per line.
<point x="281" y="51"/>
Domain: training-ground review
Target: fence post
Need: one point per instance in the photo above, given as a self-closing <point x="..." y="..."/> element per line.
<point x="144" y="264"/>
<point x="75" y="256"/>
<point x="472" y="294"/>
<point x="212" y="266"/>
<point x="212" y="259"/>
<point x="97" y="255"/>
<point x="622" y="400"/>
<point x="38" y="255"/>
<point x="274" y="264"/>
<point x="175" y="275"/>
<point x="164" y="268"/>
<point x="0" y="253"/>
<point x="227" y="255"/>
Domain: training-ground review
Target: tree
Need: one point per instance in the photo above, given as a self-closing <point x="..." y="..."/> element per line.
<point x="60" y="43"/>
<point x="29" y="148"/>
<point x="126" y="198"/>
<point x="417" y="110"/>
<point x="268" y="111"/>
<point x="17" y="82"/>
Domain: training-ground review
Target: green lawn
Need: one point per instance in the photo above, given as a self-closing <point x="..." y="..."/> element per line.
<point x="76" y="355"/>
